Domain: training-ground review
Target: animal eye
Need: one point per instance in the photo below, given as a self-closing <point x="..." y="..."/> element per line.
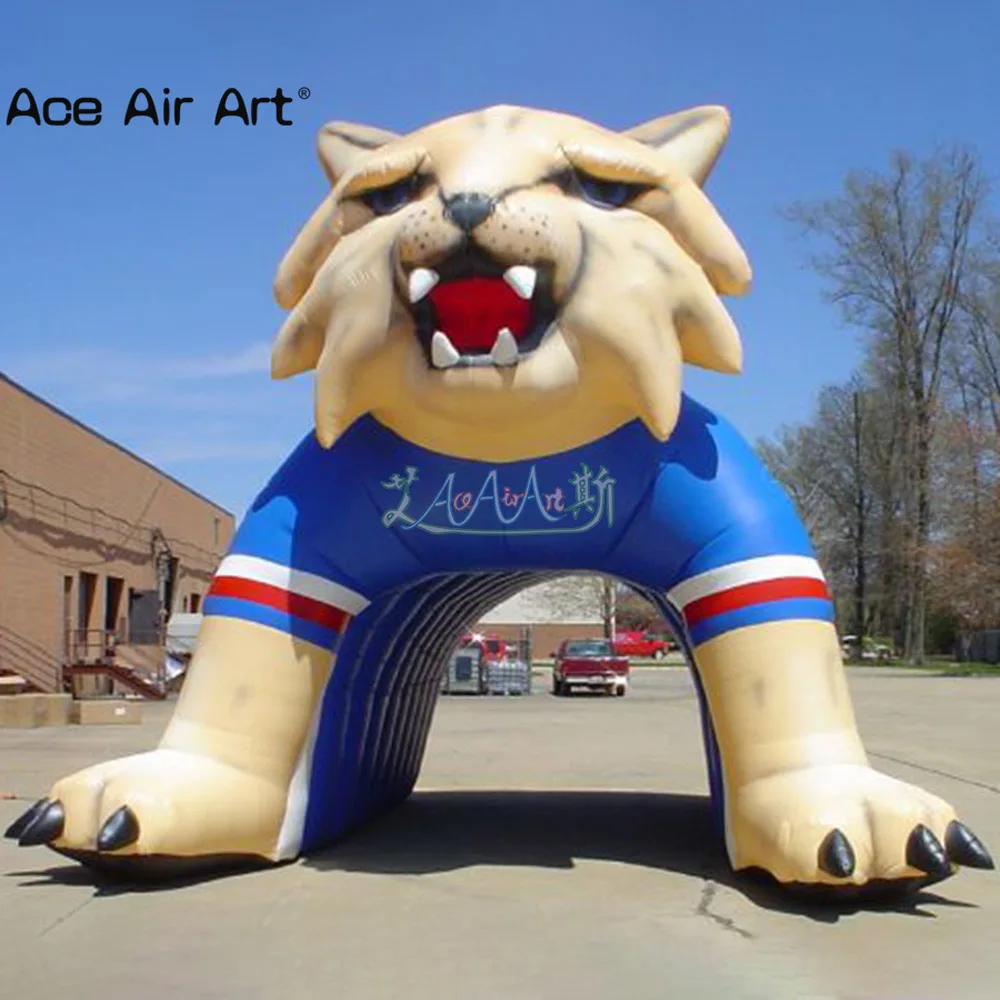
<point x="607" y="194"/>
<point x="389" y="199"/>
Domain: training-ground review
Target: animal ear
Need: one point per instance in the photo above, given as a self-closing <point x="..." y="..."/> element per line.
<point x="692" y="140"/>
<point x="342" y="145"/>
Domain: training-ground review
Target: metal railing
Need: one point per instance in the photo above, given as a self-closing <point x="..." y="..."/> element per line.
<point x="29" y="660"/>
<point x="108" y="648"/>
<point x="99" y="645"/>
<point x="90" y="645"/>
<point x="44" y="670"/>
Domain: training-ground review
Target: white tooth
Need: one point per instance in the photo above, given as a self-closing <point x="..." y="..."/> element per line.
<point x="504" y="349"/>
<point x="422" y="280"/>
<point x="443" y="352"/>
<point x="522" y="279"/>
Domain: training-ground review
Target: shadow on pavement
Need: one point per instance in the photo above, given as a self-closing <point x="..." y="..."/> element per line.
<point x="435" y="832"/>
<point x="121" y="884"/>
<point x="445" y="831"/>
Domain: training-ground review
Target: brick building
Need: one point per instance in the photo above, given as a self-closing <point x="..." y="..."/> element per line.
<point x="97" y="547"/>
<point x="569" y="607"/>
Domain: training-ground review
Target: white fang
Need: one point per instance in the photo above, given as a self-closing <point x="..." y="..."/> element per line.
<point x="443" y="352"/>
<point x="422" y="280"/>
<point x="522" y="279"/>
<point x="504" y="351"/>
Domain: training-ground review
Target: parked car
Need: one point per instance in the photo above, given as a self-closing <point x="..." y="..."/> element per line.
<point x="643" y="645"/>
<point x="591" y="664"/>
<point x="870" y="648"/>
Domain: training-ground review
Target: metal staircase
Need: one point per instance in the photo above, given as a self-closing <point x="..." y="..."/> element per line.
<point x="33" y="664"/>
<point x="135" y="666"/>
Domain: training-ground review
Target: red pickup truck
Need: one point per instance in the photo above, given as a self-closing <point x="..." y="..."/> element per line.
<point x="642" y="645"/>
<point x="590" y="664"/>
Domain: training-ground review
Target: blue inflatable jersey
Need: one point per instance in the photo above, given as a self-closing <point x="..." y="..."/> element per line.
<point x="696" y="518"/>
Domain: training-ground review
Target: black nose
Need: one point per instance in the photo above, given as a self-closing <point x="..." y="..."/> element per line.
<point x="468" y="209"/>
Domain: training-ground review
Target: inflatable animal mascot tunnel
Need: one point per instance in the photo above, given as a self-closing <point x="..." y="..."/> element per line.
<point x="498" y="307"/>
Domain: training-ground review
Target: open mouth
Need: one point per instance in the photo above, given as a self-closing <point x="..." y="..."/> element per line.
<point x="472" y="312"/>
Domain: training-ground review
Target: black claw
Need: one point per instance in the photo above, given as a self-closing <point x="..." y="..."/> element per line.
<point x="836" y="856"/>
<point x="45" y="827"/>
<point x="120" y="830"/>
<point x="25" y="820"/>
<point x="965" y="848"/>
<point x="925" y="853"/>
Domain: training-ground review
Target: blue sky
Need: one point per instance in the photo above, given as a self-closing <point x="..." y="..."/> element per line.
<point x="136" y="263"/>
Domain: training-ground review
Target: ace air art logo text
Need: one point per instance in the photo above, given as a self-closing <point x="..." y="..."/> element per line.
<point x="142" y="107"/>
<point x="499" y="508"/>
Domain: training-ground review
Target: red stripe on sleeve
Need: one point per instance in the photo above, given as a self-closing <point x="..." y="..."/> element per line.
<point x="761" y="592"/>
<point x="306" y="608"/>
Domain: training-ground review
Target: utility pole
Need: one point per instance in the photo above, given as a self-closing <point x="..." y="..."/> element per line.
<point x="859" y="528"/>
<point x="608" y="606"/>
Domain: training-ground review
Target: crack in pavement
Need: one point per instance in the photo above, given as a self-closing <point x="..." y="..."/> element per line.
<point x="66" y="916"/>
<point x="702" y="910"/>
<point x="933" y="770"/>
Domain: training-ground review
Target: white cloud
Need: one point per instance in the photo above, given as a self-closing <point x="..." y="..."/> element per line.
<point x="217" y="417"/>
<point x="218" y="396"/>
<point x="252" y="360"/>
<point x="117" y="375"/>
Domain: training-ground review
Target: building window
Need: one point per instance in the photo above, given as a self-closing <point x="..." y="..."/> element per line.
<point x="114" y="621"/>
<point x="68" y="618"/>
<point x="85" y="613"/>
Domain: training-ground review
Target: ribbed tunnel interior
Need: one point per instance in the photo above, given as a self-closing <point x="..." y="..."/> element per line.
<point x="379" y="704"/>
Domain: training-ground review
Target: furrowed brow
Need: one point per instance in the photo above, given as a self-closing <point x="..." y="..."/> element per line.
<point x="381" y="172"/>
<point x="616" y="165"/>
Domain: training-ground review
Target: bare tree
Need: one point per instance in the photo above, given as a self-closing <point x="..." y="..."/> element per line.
<point x="838" y="470"/>
<point x="965" y="549"/>
<point x="897" y="251"/>
<point x="976" y="365"/>
<point x="605" y="593"/>
<point x="634" y="613"/>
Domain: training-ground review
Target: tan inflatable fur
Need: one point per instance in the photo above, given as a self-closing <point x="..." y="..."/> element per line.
<point x="497" y="307"/>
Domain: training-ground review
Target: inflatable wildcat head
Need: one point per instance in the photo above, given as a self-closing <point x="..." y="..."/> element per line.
<point x="511" y="282"/>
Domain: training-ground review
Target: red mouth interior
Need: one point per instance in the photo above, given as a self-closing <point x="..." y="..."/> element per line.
<point x="472" y="311"/>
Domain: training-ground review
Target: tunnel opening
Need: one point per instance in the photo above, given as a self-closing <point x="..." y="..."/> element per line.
<point x="367" y="743"/>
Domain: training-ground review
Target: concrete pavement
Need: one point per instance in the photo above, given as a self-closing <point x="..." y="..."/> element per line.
<point x="554" y="848"/>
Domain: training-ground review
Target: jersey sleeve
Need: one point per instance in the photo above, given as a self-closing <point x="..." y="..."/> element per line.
<point x="277" y="572"/>
<point x="736" y="592"/>
<point x="750" y="557"/>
